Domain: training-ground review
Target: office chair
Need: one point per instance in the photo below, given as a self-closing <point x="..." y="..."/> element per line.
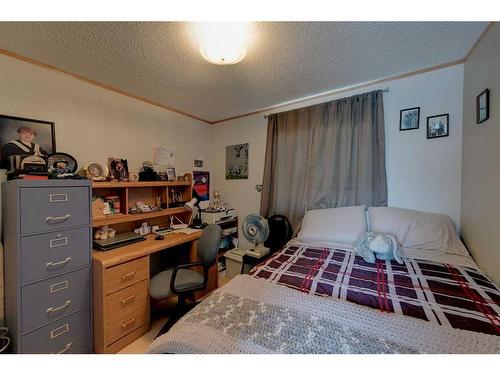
<point x="181" y="280"/>
<point x="280" y="232"/>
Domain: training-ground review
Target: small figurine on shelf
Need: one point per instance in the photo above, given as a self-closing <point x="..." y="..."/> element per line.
<point x="143" y="229"/>
<point x="134" y="177"/>
<point x="216" y="203"/>
<point x="148" y="173"/>
<point x="104" y="233"/>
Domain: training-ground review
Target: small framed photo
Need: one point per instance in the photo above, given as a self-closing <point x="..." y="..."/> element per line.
<point x="118" y="169"/>
<point x="483" y="106"/>
<point x="438" y="126"/>
<point x="409" y="118"/>
<point x="171" y="176"/>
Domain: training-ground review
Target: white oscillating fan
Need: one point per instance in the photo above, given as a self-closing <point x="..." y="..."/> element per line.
<point x="256" y="230"/>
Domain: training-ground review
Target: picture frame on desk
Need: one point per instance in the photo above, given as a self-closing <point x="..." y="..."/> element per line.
<point x="25" y="136"/>
<point x="171" y="175"/>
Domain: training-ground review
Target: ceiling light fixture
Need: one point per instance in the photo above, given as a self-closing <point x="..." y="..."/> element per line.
<point x="223" y="43"/>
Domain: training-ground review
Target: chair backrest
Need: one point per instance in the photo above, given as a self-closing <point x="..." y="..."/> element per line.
<point x="280" y="232"/>
<point x="208" y="244"/>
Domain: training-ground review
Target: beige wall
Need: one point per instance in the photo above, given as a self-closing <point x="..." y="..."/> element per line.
<point x="481" y="156"/>
<point x="422" y="174"/>
<point x="93" y="124"/>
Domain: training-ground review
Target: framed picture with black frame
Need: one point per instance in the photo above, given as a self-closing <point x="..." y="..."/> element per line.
<point x="24" y="136"/>
<point x="483" y="106"/>
<point x="409" y="118"/>
<point x="438" y="126"/>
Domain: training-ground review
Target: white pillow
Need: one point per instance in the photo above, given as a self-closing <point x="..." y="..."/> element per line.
<point x="417" y="229"/>
<point x="341" y="224"/>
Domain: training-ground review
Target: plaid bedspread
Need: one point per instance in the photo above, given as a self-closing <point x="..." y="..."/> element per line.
<point x="449" y="295"/>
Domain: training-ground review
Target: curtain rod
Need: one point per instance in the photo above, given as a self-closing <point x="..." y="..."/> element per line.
<point x="384" y="90"/>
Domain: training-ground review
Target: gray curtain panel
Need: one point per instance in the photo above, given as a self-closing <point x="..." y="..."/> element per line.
<point x="327" y="155"/>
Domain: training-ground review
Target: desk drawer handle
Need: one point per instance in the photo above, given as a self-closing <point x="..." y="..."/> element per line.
<point x="56" y="219"/>
<point x="58" y="242"/>
<point x="65" y="349"/>
<point x="128" y="300"/>
<point x="59" y="331"/>
<point x="57" y="264"/>
<point x="128" y="323"/>
<point x="128" y="276"/>
<point x="56" y="198"/>
<point x="53" y="310"/>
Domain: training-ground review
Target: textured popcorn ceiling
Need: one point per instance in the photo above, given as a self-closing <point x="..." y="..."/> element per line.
<point x="285" y="61"/>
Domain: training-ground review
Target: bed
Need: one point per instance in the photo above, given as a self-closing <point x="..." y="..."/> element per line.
<point x="317" y="295"/>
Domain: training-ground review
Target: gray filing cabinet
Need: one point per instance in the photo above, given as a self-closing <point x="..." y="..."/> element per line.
<point x="47" y="258"/>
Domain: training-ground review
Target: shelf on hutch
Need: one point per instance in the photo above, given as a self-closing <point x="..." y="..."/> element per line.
<point x="171" y="194"/>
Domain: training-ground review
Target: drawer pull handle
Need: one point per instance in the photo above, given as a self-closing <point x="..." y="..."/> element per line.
<point x="54" y="288"/>
<point x="53" y="310"/>
<point x="128" y="323"/>
<point x="56" y="219"/>
<point x="128" y="300"/>
<point x="57" y="264"/>
<point x="56" y="198"/>
<point x="59" y="331"/>
<point x="128" y="276"/>
<point x="58" y="242"/>
<point x="65" y="349"/>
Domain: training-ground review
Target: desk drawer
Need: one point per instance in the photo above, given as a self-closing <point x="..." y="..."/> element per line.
<point x="67" y="335"/>
<point x="54" y="298"/>
<point x="54" y="208"/>
<point x="126" y="274"/>
<point x="51" y="254"/>
<point x="126" y="310"/>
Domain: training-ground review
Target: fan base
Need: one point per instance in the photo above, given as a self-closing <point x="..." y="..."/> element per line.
<point x="258" y="252"/>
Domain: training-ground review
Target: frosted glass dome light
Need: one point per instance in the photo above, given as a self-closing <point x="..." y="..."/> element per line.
<point x="223" y="43"/>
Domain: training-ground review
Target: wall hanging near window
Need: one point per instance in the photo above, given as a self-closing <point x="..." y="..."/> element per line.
<point x="483" y="106"/>
<point x="438" y="126"/>
<point x="409" y="118"/>
<point x="237" y="162"/>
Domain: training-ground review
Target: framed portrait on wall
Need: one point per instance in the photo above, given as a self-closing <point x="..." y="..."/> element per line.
<point x="23" y="136"/>
<point x="438" y="126"/>
<point x="409" y="118"/>
<point x="483" y="106"/>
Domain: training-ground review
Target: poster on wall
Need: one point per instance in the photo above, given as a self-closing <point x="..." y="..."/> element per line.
<point x="237" y="162"/>
<point x="201" y="184"/>
<point x="163" y="155"/>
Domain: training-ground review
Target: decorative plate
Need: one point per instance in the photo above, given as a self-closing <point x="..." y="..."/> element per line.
<point x="96" y="172"/>
<point x="60" y="157"/>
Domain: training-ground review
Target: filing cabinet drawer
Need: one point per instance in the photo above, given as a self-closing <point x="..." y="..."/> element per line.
<point x="53" y="208"/>
<point x="126" y="274"/>
<point x="54" y="298"/>
<point x="51" y="254"/>
<point x="126" y="310"/>
<point x="71" y="334"/>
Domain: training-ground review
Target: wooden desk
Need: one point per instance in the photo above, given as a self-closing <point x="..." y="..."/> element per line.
<point x="121" y="289"/>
